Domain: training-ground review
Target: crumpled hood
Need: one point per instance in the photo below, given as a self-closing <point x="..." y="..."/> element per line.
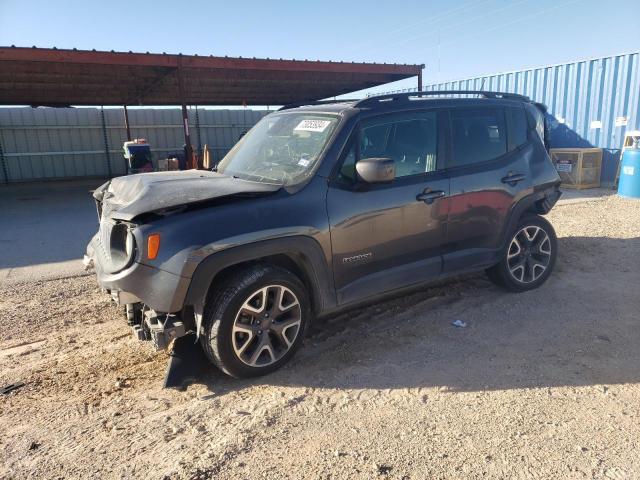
<point x="124" y="198"/>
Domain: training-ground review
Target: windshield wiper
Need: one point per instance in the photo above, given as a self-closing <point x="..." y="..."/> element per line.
<point x="258" y="178"/>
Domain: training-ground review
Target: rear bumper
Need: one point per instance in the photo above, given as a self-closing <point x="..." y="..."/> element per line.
<point x="160" y="290"/>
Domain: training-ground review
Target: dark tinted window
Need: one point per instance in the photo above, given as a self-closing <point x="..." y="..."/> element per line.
<point x="411" y="140"/>
<point x="375" y="140"/>
<point x="478" y="135"/>
<point x="517" y="127"/>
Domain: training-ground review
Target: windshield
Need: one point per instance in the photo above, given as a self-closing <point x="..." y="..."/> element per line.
<point x="282" y="148"/>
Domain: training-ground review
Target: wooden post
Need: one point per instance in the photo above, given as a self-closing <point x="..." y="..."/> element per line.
<point x="206" y="158"/>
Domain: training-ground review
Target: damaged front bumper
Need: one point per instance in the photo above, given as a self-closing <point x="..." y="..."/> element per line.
<point x="152" y="299"/>
<point x="161" y="330"/>
<point x="87" y="261"/>
<point x="160" y="290"/>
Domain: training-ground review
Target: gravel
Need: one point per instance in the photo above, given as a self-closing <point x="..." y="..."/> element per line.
<point x="541" y="384"/>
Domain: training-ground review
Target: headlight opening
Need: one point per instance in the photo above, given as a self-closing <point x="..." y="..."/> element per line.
<point x="122" y="246"/>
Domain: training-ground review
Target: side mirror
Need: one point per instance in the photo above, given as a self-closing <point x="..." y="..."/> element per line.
<point x="376" y="170"/>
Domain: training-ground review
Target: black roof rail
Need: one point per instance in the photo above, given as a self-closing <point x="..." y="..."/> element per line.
<point x="406" y="96"/>
<point x="316" y="102"/>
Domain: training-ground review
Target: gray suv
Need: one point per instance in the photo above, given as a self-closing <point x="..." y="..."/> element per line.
<point x="324" y="206"/>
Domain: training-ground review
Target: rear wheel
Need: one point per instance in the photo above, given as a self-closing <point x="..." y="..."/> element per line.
<point x="529" y="257"/>
<point x="255" y="324"/>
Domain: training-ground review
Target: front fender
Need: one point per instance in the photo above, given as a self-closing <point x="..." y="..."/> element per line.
<point x="305" y="251"/>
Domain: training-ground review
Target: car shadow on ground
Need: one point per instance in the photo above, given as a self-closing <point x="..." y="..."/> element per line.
<point x="579" y="329"/>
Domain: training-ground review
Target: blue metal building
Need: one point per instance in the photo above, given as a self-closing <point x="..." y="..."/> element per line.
<point x="592" y="103"/>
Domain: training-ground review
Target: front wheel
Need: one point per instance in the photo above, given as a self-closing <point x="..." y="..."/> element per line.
<point x="529" y="257"/>
<point x="255" y="324"/>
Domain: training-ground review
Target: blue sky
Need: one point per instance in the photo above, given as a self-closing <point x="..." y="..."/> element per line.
<point x="455" y="39"/>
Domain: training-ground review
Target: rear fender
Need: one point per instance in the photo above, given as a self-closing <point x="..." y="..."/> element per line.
<point x="538" y="203"/>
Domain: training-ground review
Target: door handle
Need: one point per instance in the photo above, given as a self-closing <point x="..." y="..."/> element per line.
<point x="428" y="196"/>
<point x="513" y="178"/>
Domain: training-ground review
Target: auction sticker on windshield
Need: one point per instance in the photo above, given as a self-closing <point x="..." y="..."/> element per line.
<point x="313" y="125"/>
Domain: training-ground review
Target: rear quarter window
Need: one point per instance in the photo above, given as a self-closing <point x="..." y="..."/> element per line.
<point x="537" y="112"/>
<point x="517" y="127"/>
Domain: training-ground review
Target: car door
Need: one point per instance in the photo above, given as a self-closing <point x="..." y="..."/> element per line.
<point x="388" y="236"/>
<point x="489" y="172"/>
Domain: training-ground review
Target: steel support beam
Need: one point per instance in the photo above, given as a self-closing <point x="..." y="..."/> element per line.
<point x="126" y="123"/>
<point x="199" y="133"/>
<point x="106" y="141"/>
<point x="185" y="117"/>
<point x="3" y="164"/>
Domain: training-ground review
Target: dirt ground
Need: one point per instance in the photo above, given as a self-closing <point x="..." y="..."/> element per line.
<point x="544" y="384"/>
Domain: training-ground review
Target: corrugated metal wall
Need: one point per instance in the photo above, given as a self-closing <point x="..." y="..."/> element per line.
<point x="54" y="143"/>
<point x="592" y="103"/>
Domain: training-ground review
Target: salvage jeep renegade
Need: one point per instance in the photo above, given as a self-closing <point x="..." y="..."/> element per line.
<point x="324" y="206"/>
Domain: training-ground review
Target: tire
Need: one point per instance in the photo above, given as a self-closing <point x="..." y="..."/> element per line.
<point x="529" y="256"/>
<point x="255" y="322"/>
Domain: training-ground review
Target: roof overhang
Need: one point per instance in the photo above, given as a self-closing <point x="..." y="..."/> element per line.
<point x="38" y="76"/>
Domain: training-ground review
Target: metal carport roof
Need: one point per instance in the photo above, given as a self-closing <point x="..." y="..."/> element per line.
<point x="54" y="77"/>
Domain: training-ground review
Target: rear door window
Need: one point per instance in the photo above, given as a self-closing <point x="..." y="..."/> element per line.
<point x="478" y="135"/>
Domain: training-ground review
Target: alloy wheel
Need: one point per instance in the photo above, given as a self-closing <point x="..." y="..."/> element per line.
<point x="529" y="254"/>
<point x="266" y="325"/>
